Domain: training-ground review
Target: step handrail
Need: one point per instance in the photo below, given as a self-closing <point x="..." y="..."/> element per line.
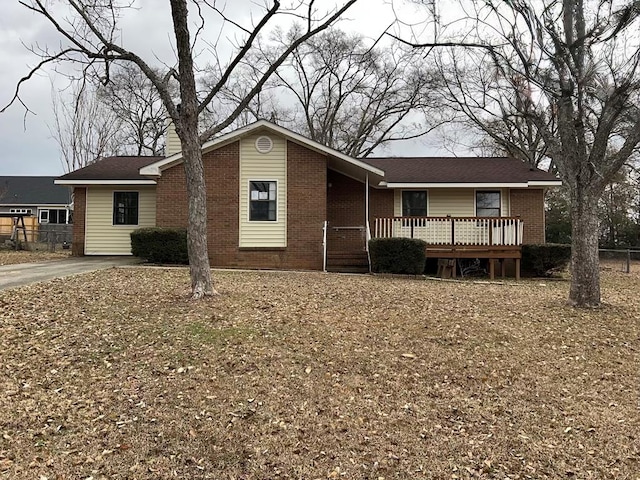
<point x="324" y="245"/>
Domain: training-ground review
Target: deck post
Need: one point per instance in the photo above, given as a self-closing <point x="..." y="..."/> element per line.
<point x="490" y="232"/>
<point x="453" y="230"/>
<point x="517" y="269"/>
<point x="492" y="268"/>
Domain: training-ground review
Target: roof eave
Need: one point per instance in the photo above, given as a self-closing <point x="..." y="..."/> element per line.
<point x="530" y="183"/>
<point x="104" y="182"/>
<point x="545" y="183"/>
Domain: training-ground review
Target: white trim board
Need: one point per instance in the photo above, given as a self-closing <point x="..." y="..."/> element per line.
<point x="105" y="182"/>
<point x="155" y="169"/>
<point x="471" y="185"/>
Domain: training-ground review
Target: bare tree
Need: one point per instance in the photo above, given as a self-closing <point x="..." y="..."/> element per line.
<point x="138" y="106"/>
<point x="500" y="106"/>
<point x="83" y="127"/>
<point x="90" y="35"/>
<point x="570" y="71"/>
<point x="345" y="93"/>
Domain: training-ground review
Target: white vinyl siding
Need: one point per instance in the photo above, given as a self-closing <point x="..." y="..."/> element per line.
<point x="102" y="237"/>
<point x="172" y="144"/>
<point x="455" y="202"/>
<point x="269" y="167"/>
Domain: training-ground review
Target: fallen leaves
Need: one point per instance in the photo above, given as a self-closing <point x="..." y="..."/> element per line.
<point x="116" y="374"/>
<point x="14" y="257"/>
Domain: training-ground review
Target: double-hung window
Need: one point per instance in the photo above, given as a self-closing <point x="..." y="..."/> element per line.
<point x="125" y="208"/>
<point x="487" y="203"/>
<point x="263" y="202"/>
<point x="414" y="203"/>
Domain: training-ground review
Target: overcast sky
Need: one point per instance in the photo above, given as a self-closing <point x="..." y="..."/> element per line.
<point x="27" y="144"/>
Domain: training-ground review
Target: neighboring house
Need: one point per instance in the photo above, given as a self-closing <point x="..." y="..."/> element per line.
<point x="46" y="209"/>
<point x="37" y="196"/>
<point x="279" y="200"/>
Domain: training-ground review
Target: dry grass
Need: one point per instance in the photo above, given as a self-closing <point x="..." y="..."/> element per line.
<point x="13" y="257"/>
<point x="115" y="374"/>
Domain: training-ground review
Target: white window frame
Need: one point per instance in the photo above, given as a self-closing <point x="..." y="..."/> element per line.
<point x="263" y="180"/>
<point x="26" y="211"/>
<point x="40" y="219"/>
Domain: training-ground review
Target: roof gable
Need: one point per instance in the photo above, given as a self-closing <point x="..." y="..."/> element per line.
<point x="23" y="190"/>
<point x="156" y="168"/>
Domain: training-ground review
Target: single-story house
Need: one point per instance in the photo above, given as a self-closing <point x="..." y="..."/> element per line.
<point x="276" y="199"/>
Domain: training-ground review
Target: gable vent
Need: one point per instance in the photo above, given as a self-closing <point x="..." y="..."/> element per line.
<point x="264" y="144"/>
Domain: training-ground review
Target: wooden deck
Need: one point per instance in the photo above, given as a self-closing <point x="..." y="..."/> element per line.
<point x="454" y="238"/>
<point x="501" y="253"/>
<point x="468" y="231"/>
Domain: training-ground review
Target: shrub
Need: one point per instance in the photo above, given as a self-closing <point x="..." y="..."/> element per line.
<point x="160" y="245"/>
<point x="543" y="260"/>
<point x="397" y="255"/>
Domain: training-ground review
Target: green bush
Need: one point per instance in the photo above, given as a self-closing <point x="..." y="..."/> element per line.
<point x="160" y="245"/>
<point x="397" y="255"/>
<point x="544" y="260"/>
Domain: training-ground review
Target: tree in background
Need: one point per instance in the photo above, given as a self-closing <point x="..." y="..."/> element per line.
<point x="618" y="211"/>
<point x="570" y="70"/>
<point x="139" y="109"/>
<point x="90" y="35"/>
<point x="84" y="128"/>
<point x="353" y="96"/>
<point x="124" y="117"/>
<point x="557" y="216"/>
<point x="344" y="92"/>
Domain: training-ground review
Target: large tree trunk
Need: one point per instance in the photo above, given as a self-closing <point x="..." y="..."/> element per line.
<point x="199" y="269"/>
<point x="585" y="265"/>
<point x="187" y="130"/>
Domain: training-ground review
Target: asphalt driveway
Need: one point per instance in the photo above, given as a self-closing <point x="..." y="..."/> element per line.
<point x="25" y="273"/>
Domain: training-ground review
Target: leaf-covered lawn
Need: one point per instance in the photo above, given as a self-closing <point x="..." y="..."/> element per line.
<point x="12" y="257"/>
<point x="115" y="374"/>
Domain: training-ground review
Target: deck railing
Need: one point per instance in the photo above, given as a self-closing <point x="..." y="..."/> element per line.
<point x="453" y="230"/>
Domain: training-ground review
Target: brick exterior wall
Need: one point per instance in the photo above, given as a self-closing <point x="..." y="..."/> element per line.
<point x="346" y="208"/>
<point x="306" y="209"/>
<point x="529" y="206"/>
<point x="79" y="209"/>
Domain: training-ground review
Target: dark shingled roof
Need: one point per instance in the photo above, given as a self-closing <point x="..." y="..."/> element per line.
<point x="457" y="170"/>
<point x="112" y="168"/>
<point x="494" y="170"/>
<point x="32" y="191"/>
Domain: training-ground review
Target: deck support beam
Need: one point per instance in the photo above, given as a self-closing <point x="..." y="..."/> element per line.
<point x="491" y="253"/>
